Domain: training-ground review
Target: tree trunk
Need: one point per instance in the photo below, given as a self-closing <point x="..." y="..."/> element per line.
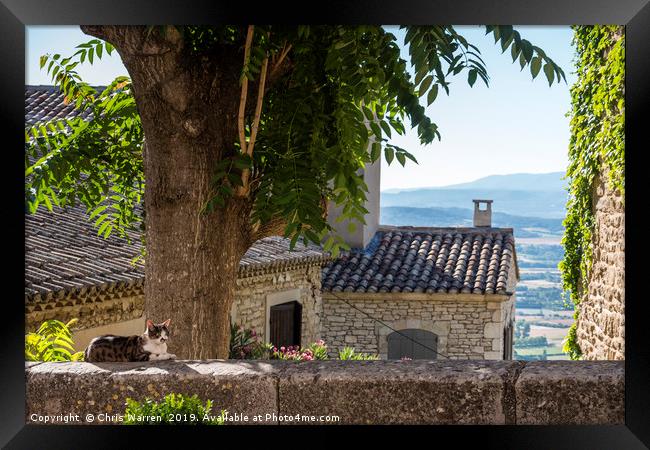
<point x="188" y="107"/>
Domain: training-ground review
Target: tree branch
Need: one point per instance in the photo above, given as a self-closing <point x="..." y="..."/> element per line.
<point x="244" y="189"/>
<point x="244" y="89"/>
<point x="274" y="227"/>
<point x="277" y="63"/>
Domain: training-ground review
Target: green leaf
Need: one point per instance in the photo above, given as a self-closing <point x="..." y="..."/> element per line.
<point x="425" y="85"/>
<point x="548" y="70"/>
<point x="389" y="153"/>
<point x="385" y="127"/>
<point x="375" y="129"/>
<point x="535" y="65"/>
<point x="401" y="158"/>
<point x="375" y="151"/>
<point x="433" y="93"/>
<point x="471" y="77"/>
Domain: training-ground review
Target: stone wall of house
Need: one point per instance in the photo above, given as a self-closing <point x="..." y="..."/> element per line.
<point x="601" y="320"/>
<point x="254" y="292"/>
<point x="468" y="326"/>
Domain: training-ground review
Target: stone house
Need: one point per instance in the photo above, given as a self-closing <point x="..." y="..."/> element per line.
<point x="71" y="272"/>
<point x="452" y="288"/>
<point x="400" y="291"/>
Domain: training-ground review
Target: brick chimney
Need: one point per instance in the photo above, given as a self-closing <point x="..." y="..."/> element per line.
<point x="482" y="217"/>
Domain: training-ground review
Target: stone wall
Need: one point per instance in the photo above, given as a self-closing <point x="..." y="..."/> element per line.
<point x="255" y="293"/>
<point x="338" y="392"/>
<point x="468" y="326"/>
<point x="601" y="320"/>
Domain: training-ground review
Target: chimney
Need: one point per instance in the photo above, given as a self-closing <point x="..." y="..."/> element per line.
<point x="363" y="234"/>
<point x="482" y="217"/>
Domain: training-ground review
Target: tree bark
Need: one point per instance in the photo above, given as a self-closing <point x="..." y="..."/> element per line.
<point x="188" y="107"/>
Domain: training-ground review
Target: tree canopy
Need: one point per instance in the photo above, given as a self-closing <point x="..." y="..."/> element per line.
<point x="317" y="104"/>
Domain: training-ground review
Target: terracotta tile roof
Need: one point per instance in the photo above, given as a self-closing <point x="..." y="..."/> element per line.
<point x="43" y="103"/>
<point x="434" y="260"/>
<point x="64" y="254"/>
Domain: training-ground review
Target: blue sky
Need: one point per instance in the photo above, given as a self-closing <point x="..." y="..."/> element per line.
<point x="516" y="125"/>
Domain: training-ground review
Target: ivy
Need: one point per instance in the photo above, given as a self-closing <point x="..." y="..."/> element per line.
<point x="597" y="145"/>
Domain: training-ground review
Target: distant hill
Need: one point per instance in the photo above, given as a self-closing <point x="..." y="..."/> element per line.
<point x="512" y="182"/>
<point x="533" y="195"/>
<point x="461" y="217"/>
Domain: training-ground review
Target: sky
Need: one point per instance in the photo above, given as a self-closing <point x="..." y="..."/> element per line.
<point x="517" y="125"/>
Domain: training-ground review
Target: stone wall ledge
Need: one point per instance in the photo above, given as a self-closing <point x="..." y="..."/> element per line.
<point x="359" y="392"/>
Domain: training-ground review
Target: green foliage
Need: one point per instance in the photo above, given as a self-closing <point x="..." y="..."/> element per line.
<point x="597" y="143"/>
<point x="52" y="342"/>
<point x="245" y="344"/>
<point x="569" y="344"/>
<point x="175" y="409"/>
<point x="318" y="349"/>
<point x="344" y="97"/>
<point x="97" y="162"/>
<point x="350" y="354"/>
<point x="534" y="341"/>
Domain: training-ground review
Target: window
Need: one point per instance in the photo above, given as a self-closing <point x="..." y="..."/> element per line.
<point x="401" y="345"/>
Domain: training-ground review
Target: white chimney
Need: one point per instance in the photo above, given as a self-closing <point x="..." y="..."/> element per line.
<point x="482" y="217"/>
<point x="362" y="234"/>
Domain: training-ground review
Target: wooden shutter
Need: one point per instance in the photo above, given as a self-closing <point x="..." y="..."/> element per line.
<point x="400" y="346"/>
<point x="285" y="324"/>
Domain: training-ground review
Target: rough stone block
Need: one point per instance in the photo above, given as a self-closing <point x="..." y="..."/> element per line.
<point x="397" y="392"/>
<point x="94" y="388"/>
<point x="492" y="330"/>
<point x="571" y="392"/>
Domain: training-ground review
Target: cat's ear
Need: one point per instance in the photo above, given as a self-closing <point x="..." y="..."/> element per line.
<point x="150" y="324"/>
<point x="167" y="322"/>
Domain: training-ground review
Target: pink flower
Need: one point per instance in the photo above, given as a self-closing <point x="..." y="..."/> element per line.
<point x="282" y="349"/>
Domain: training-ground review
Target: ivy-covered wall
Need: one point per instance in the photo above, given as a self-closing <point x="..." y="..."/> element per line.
<point x="593" y="242"/>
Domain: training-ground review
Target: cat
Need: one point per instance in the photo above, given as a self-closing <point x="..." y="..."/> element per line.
<point x="150" y="346"/>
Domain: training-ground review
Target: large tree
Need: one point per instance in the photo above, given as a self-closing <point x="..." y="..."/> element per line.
<point x="239" y="132"/>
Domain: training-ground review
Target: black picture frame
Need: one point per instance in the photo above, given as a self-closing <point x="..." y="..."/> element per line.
<point x="635" y="14"/>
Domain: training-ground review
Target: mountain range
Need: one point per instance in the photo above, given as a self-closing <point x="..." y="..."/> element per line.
<point x="522" y="195"/>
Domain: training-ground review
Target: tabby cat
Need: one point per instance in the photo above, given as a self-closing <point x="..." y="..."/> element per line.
<point x="150" y="346"/>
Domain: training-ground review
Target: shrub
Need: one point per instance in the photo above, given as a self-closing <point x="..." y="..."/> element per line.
<point x="294" y="353"/>
<point x="175" y="409"/>
<point x="245" y="344"/>
<point x="52" y="342"/>
<point x="350" y="354"/>
<point x="317" y="351"/>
